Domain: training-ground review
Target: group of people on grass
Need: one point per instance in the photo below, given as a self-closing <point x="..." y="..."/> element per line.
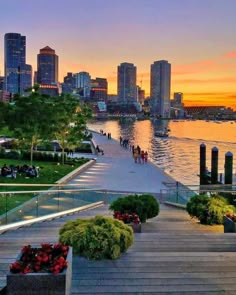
<point x="12" y="171"/>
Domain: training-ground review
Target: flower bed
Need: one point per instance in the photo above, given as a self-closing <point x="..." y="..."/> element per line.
<point x="48" y="258"/>
<point x="126" y="217"/>
<point x="145" y="206"/>
<point x="130" y="219"/>
<point x="45" y="270"/>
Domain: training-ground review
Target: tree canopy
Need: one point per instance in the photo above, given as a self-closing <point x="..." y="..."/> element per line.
<point x="40" y="117"/>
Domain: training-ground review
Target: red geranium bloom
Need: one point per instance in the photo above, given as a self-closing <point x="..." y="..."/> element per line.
<point x="48" y="258"/>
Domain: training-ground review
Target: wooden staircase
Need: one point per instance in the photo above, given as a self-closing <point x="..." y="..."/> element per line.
<point x="173" y="255"/>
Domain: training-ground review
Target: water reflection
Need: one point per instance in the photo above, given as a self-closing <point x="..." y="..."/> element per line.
<point x="178" y="154"/>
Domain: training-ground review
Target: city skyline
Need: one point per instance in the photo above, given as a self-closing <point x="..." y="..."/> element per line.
<point x="95" y="36"/>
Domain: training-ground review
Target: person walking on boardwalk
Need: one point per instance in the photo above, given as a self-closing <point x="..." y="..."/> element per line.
<point x="146" y="157"/>
<point x="142" y="157"/>
<point x="133" y="148"/>
<point x="135" y="155"/>
<point x="139" y="154"/>
<point x="121" y="140"/>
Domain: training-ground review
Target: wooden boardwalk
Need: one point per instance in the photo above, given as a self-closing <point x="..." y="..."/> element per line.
<point x="173" y="255"/>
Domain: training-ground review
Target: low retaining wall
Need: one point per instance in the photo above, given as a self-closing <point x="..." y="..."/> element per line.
<point x="93" y="146"/>
<point x="76" y="172"/>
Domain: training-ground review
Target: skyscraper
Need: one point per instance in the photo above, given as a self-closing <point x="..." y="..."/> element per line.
<point x="126" y="83"/>
<point x="47" y="72"/>
<point x="69" y="83"/>
<point x="82" y="82"/>
<point x="98" y="89"/>
<point x="160" y="88"/>
<point x="18" y="75"/>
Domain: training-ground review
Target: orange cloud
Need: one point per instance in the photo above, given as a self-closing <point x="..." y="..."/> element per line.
<point x="201" y="67"/>
<point x="227" y="99"/>
<point x="230" y="54"/>
<point x="205" y="81"/>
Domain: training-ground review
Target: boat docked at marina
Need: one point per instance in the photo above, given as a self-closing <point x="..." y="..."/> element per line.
<point x="162" y="133"/>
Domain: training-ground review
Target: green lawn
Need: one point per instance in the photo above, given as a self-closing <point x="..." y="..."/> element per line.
<point x="49" y="173"/>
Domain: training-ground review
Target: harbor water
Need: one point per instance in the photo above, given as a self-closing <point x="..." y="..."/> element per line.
<point x="177" y="154"/>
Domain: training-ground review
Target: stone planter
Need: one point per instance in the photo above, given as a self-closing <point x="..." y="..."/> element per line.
<point x="137" y="227"/>
<point x="229" y="225"/>
<point x="41" y="283"/>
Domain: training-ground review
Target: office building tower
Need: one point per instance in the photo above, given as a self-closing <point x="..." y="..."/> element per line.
<point x="160" y="88"/>
<point x="47" y="71"/>
<point x="141" y="95"/>
<point x="18" y="75"/>
<point x="2" y="82"/>
<point x="98" y="89"/>
<point x="126" y="84"/>
<point x="82" y="84"/>
<point x="178" y="97"/>
<point x="69" y="83"/>
<point x="35" y="77"/>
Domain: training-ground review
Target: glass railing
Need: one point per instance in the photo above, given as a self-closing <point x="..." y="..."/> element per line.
<point x="181" y="194"/>
<point x="20" y="202"/>
<point x="24" y="202"/>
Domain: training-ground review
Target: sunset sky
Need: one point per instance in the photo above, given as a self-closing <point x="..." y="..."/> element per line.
<point x="198" y="37"/>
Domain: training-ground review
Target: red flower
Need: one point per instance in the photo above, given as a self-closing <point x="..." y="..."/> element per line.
<point x="126" y="217"/>
<point x="48" y="258"/>
<point x="231" y="216"/>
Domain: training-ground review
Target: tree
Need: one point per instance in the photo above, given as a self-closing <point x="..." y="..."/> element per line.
<point x="69" y="123"/>
<point x="29" y="119"/>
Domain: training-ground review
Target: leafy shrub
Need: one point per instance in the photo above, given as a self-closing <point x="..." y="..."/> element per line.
<point x="83" y="148"/>
<point x="209" y="210"/>
<point x="12" y="155"/>
<point x="2" y="152"/>
<point x="145" y="206"/>
<point x="97" y="238"/>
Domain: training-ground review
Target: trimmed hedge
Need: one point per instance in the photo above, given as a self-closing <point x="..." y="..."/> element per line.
<point x="97" y="238"/>
<point x="209" y="210"/>
<point x="145" y="206"/>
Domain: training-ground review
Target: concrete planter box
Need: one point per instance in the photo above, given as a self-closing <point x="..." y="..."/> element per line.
<point x="229" y="225"/>
<point x="41" y="283"/>
<point x="137" y="228"/>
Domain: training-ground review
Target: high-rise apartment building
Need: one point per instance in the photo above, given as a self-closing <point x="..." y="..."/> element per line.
<point x="69" y="83"/>
<point x="178" y="97"/>
<point x="160" y="88"/>
<point x="47" y="72"/>
<point x="82" y="83"/>
<point x="126" y="83"/>
<point x="141" y="95"/>
<point x="2" y="78"/>
<point x="18" y="75"/>
<point x="98" y="89"/>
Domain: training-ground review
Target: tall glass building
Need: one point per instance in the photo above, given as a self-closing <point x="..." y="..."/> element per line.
<point x="160" y="88"/>
<point x="18" y="75"/>
<point x="126" y="83"/>
<point x="47" y="72"/>
<point x="83" y="83"/>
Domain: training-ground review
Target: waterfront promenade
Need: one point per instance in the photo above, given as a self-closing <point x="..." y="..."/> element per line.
<point x="116" y="170"/>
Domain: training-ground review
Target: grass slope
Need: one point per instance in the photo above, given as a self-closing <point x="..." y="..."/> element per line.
<point x="49" y="173"/>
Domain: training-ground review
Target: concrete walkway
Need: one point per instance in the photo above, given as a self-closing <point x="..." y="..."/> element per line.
<point x="116" y="170"/>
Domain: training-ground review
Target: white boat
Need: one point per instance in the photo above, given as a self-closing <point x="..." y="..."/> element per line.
<point x="161" y="133"/>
